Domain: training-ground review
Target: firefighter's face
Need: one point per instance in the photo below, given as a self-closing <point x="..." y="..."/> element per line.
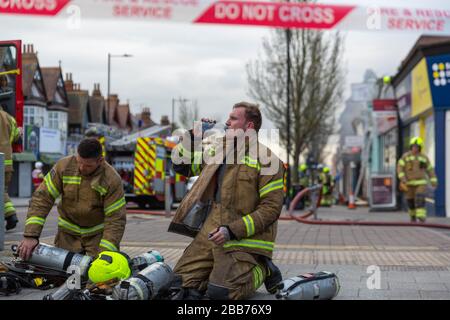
<point x="88" y="166"/>
<point x="415" y="148"/>
<point x="237" y="120"/>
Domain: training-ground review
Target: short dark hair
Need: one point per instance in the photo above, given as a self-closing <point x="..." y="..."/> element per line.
<point x="252" y="113"/>
<point x="90" y="148"/>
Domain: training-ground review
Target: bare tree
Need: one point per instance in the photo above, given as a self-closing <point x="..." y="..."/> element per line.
<point x="317" y="86"/>
<point x="187" y="115"/>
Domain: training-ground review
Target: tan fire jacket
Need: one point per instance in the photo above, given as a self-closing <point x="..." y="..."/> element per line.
<point x="251" y="202"/>
<point x="87" y="206"/>
<point x="9" y="133"/>
<point x="415" y="170"/>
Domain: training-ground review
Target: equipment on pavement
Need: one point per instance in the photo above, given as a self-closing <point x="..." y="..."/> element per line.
<point x="108" y="266"/>
<point x="142" y="261"/>
<point x="57" y="259"/>
<point x="64" y="293"/>
<point x="149" y="284"/>
<point x="322" y="285"/>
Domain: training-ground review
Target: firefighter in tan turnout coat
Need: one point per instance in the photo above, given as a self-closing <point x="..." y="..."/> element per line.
<point x="9" y="133"/>
<point x="415" y="172"/>
<point x="91" y="209"/>
<point x="230" y="256"/>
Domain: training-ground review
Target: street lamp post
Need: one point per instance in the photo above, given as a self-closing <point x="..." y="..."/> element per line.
<point x="288" y="114"/>
<point x="109" y="76"/>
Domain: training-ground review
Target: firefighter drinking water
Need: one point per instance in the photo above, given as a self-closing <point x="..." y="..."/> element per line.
<point x="91" y="208"/>
<point x="414" y="169"/>
<point x="231" y="212"/>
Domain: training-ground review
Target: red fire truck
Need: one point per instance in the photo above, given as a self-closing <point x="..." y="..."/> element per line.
<point x="11" y="95"/>
<point x="144" y="165"/>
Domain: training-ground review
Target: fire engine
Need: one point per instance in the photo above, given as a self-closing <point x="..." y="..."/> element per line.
<point x="144" y="166"/>
<point x="11" y="95"/>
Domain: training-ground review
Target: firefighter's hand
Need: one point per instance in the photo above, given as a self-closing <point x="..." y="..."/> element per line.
<point x="26" y="247"/>
<point x="219" y="236"/>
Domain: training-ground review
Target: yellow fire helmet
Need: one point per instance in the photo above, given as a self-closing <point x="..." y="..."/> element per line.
<point x="108" y="266"/>
<point x="303" y="167"/>
<point x="326" y="170"/>
<point x="416" y="140"/>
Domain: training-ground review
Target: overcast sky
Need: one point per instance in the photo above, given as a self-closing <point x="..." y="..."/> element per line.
<point x="202" y="62"/>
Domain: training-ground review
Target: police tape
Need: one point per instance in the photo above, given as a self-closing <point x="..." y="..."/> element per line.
<point x="251" y="13"/>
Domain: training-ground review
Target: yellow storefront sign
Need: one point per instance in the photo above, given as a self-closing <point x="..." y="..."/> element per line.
<point x="421" y="93"/>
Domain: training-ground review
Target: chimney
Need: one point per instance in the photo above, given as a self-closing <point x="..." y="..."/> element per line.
<point x="68" y="83"/>
<point x="96" y="92"/>
<point x="165" y="121"/>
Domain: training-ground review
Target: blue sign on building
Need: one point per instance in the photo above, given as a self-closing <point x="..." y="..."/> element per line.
<point x="439" y="75"/>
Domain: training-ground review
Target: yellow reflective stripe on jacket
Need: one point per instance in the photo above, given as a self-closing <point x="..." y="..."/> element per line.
<point x="420" y="182"/>
<point x="100" y="190"/>
<point x="50" y="186"/>
<point x="77" y="229"/>
<point x="274" y="185"/>
<point x="35" y="220"/>
<point x="108" y="245"/>
<point x="8" y="162"/>
<point x="258" y="276"/>
<point x="252" y="163"/>
<point x="14" y="130"/>
<point x="430" y="167"/>
<point x="401" y="162"/>
<point x="422" y="159"/>
<point x="434" y="179"/>
<point x="71" y="179"/>
<point x="249" y="225"/>
<point x="115" y="206"/>
<point x="250" y="243"/>
<point x="401" y="175"/>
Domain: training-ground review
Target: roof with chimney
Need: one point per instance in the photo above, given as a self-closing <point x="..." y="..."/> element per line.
<point x="144" y="119"/>
<point x="124" y="117"/>
<point x="112" y="103"/>
<point x="78" y="103"/>
<point x="32" y="81"/>
<point x="55" y="89"/>
<point x="97" y="112"/>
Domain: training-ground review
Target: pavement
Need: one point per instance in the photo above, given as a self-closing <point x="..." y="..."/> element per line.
<point x="371" y="262"/>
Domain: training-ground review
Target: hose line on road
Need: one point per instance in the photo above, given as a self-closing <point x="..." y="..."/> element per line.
<point x="303" y="219"/>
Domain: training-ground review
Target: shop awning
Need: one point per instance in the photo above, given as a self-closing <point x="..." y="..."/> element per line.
<point x="24" y="157"/>
<point x="50" y="158"/>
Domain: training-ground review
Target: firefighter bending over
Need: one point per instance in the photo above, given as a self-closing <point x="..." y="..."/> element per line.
<point x="91" y="208"/>
<point x="230" y="256"/>
<point x="413" y="169"/>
